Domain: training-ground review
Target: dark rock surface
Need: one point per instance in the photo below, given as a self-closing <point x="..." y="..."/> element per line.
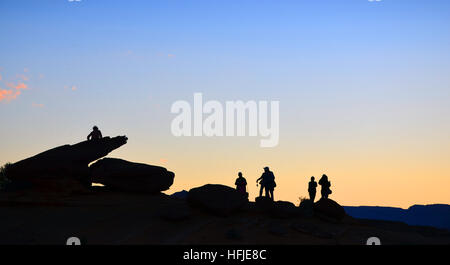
<point x="284" y="209"/>
<point x="278" y="209"/>
<point x="182" y="195"/>
<point x="307" y="208"/>
<point x="263" y="204"/>
<point x="217" y="199"/>
<point x="64" y="168"/>
<point x="127" y="176"/>
<point x="122" y="218"/>
<point x="176" y="212"/>
<point x="329" y="209"/>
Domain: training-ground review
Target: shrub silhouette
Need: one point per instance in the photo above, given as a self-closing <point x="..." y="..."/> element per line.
<point x="4" y="175"/>
<point x="302" y="199"/>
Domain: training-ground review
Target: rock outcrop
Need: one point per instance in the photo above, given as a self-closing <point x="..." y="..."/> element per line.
<point x="182" y="195"/>
<point x="61" y="169"/>
<point x="278" y="209"/>
<point x="263" y="204"/>
<point x="329" y="209"/>
<point x="284" y="209"/>
<point x="122" y="175"/>
<point x="217" y="199"/>
<point x="306" y="208"/>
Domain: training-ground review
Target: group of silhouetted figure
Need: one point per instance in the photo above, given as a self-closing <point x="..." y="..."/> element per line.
<point x="267" y="184"/>
<point x="325" y="190"/>
<point x="266" y="181"/>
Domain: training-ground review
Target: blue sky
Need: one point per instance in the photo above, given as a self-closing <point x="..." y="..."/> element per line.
<point x="357" y="74"/>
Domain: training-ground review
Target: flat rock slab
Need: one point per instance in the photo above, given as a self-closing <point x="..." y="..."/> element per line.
<point x="123" y="175"/>
<point x="64" y="168"/>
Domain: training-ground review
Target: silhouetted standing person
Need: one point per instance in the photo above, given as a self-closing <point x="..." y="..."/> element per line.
<point x="241" y="184"/>
<point x="267" y="182"/>
<point x="325" y="186"/>
<point x="95" y="134"/>
<point x="312" y="186"/>
<point x="262" y="185"/>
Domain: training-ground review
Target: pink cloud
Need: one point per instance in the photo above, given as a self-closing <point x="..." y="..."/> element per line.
<point x="14" y="92"/>
<point x="14" y="89"/>
<point x="19" y="85"/>
<point x="36" y="105"/>
<point x="23" y="77"/>
<point x="8" y="94"/>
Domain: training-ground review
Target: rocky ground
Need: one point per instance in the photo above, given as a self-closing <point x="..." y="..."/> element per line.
<point x="48" y="198"/>
<point x="109" y="217"/>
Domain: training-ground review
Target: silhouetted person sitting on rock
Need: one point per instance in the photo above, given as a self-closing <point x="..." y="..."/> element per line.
<point x="241" y="184"/>
<point x="95" y="134"/>
<point x="312" y="189"/>
<point x="267" y="182"/>
<point x="325" y="186"/>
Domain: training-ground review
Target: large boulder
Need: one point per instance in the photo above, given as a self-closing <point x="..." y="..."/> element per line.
<point x="329" y="210"/>
<point x="263" y="204"/>
<point x="217" y="199"/>
<point x="284" y="209"/>
<point x="122" y="175"/>
<point x="278" y="209"/>
<point x="306" y="208"/>
<point x="64" y="168"/>
<point x="182" y="195"/>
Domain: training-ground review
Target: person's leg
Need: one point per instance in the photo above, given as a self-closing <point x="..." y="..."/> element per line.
<point x="261" y="190"/>
<point x="271" y="194"/>
<point x="313" y="196"/>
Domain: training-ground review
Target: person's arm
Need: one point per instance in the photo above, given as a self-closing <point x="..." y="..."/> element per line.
<point x="100" y="133"/>
<point x="89" y="136"/>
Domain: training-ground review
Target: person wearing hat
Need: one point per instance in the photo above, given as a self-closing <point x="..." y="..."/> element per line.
<point x="267" y="182"/>
<point x="95" y="134"/>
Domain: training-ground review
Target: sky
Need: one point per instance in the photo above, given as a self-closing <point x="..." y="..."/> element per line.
<point x="363" y="88"/>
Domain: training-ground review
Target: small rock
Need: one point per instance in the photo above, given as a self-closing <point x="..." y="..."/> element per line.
<point x="329" y="210"/>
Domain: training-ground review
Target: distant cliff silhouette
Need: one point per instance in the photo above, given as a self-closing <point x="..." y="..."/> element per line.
<point x="436" y="215"/>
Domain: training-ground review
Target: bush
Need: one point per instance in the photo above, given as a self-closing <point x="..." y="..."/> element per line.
<point x="302" y="199"/>
<point x="4" y="175"/>
<point x="306" y="207"/>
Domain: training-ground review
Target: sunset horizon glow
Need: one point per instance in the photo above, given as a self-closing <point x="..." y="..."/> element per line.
<point x="363" y="89"/>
